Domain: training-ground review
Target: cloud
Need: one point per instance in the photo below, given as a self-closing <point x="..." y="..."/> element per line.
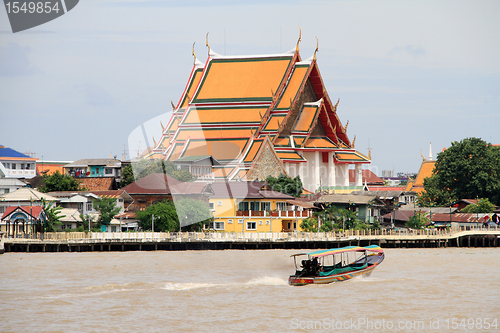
<point x="95" y="95"/>
<point x="411" y="50"/>
<point x="14" y="60"/>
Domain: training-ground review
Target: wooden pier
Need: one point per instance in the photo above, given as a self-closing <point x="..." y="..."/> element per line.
<point x="158" y="241"/>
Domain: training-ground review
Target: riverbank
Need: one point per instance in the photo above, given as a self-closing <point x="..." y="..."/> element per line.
<point x="158" y="241"/>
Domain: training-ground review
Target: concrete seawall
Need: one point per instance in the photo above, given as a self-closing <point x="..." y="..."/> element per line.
<point x="67" y="242"/>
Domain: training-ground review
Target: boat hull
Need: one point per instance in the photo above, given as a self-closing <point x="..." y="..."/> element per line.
<point x="302" y="281"/>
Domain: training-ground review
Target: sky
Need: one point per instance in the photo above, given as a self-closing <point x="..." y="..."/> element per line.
<point x="407" y="73"/>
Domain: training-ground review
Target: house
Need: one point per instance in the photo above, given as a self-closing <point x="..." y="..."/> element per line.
<point x="25" y="196"/>
<point x="18" y="221"/>
<point x="8" y="185"/>
<point x="71" y="219"/>
<point x="254" y="207"/>
<point x="199" y="166"/>
<point x="157" y="187"/>
<point x="368" y="207"/>
<point x="50" y="167"/>
<point x="14" y="164"/>
<point x="92" y="168"/>
<point x="391" y="199"/>
<point x="81" y="200"/>
<point x="123" y="199"/>
<point x="260" y="116"/>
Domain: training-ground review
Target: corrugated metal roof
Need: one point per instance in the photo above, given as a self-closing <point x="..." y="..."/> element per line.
<point x="27" y="194"/>
<point x="9" y="152"/>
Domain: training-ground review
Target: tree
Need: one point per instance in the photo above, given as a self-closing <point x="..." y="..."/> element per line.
<point x="53" y="214"/>
<point x="483" y="206"/>
<point x="165" y="217"/>
<point x="418" y="221"/>
<point x="309" y="224"/>
<point x="127" y="176"/>
<point x="286" y="184"/>
<point x="193" y="213"/>
<point x="468" y="169"/>
<point x="433" y="196"/>
<point x="59" y="182"/>
<point x="107" y="210"/>
<point x="87" y="222"/>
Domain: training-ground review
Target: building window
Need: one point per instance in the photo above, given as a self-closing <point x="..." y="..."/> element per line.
<point x="265" y="206"/>
<point x="254" y="205"/>
<point x="13" y="166"/>
<point x="260" y="222"/>
<point x="211" y="205"/>
<point x="219" y="225"/>
<point x="22" y="166"/>
<point x="251" y="225"/>
<point x="28" y="166"/>
<point x="219" y="203"/>
<point x="267" y="222"/>
<point x="2" y="210"/>
<point x="97" y="170"/>
<point x="243" y="205"/>
<point x="230" y="221"/>
<point x="281" y="205"/>
<point x="89" y="206"/>
<point x="240" y="221"/>
<point x="108" y="171"/>
<point x="7" y="190"/>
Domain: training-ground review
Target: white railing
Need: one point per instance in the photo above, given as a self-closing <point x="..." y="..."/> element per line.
<point x="222" y="236"/>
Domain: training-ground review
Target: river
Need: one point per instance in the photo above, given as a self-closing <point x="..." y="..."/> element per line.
<point x="413" y="290"/>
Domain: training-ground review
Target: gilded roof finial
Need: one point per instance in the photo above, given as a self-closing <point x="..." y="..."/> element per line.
<point x="345" y="128"/>
<point x="208" y="45"/>
<point x="317" y="45"/>
<point x="194" y="55"/>
<point x="353" y="141"/>
<point x="162" y="128"/>
<point x="173" y="106"/>
<point x="154" y="140"/>
<point x="300" y="35"/>
<point x="370" y="154"/>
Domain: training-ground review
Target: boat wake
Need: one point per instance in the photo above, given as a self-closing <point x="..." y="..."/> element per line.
<point x="259" y="281"/>
<point x="111" y="288"/>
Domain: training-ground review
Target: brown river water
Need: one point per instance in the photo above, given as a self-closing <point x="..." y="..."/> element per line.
<point x="413" y="290"/>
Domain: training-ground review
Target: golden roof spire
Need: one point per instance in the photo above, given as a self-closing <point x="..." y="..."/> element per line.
<point x="300" y="36"/>
<point x="207" y="44"/>
<point x="154" y="140"/>
<point x="172" y="103"/>
<point x="317" y="45"/>
<point x="194" y="55"/>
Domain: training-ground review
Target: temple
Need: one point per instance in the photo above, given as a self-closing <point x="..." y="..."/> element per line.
<point x="259" y="116"/>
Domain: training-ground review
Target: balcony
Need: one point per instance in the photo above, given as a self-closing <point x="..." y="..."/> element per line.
<point x="274" y="213"/>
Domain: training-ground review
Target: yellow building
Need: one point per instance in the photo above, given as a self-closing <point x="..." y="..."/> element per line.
<point x="254" y="207"/>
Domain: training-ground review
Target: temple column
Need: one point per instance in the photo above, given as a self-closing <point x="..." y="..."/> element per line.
<point x="345" y="172"/>
<point x="331" y="170"/>
<point x="317" y="180"/>
<point x="358" y="174"/>
<point x="301" y="172"/>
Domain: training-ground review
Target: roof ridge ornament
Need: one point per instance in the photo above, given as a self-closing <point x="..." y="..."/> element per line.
<point x="194" y="55"/>
<point x="207" y="44"/>
<point x="300" y="39"/>
<point x="317" y="46"/>
<point x="173" y="106"/>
